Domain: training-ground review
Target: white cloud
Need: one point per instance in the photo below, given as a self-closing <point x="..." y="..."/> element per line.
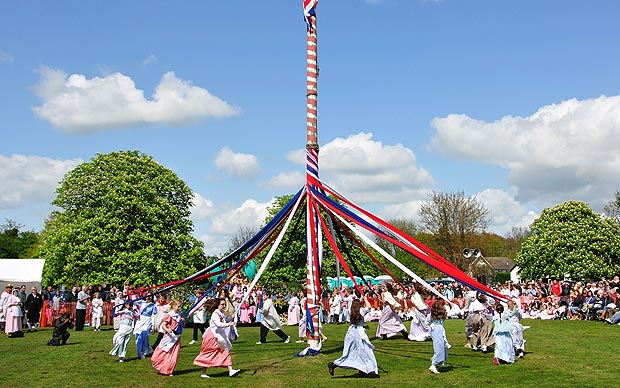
<point x="369" y="170"/>
<point x="5" y="57"/>
<point x="150" y="59"/>
<point x="237" y="164"/>
<point x="293" y="179"/>
<point x="77" y="104"/>
<point x="213" y="245"/>
<point x="251" y="213"/>
<point x="505" y="212"/>
<point x="569" y="150"/>
<point x="405" y="210"/>
<point x="202" y="208"/>
<point x="30" y="178"/>
<point x="225" y="223"/>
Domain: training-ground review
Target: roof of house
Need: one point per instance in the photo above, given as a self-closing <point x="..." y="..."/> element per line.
<point x="497" y="263"/>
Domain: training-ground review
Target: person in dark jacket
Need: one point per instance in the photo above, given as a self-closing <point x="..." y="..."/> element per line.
<point x="33" y="306"/>
<point x="61" y="333"/>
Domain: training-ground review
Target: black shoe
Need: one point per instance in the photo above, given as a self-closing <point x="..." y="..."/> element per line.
<point x="372" y="375"/>
<point x="331" y="367"/>
<point x="362" y="374"/>
<point x="383" y="336"/>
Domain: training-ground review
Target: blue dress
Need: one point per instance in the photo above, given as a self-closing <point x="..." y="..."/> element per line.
<point x="357" y="352"/>
<point x="504" y="349"/>
<point x="440" y="345"/>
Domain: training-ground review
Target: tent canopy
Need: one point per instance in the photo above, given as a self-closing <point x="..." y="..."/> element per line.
<point x="21" y="271"/>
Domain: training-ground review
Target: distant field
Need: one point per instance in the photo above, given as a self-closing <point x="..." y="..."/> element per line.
<point x="558" y="354"/>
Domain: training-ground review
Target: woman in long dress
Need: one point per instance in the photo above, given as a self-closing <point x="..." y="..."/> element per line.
<point x="516" y="331"/>
<point x="390" y="324"/>
<point x="438" y="334"/>
<point x="125" y="316"/>
<point x="13" y="325"/>
<point x="357" y="352"/>
<point x="420" y="329"/>
<point x="165" y="357"/>
<point x="482" y="326"/>
<point x="293" y="311"/>
<point x="216" y="345"/>
<point x="504" y="351"/>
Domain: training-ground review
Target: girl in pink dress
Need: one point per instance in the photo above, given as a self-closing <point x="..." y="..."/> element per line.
<point x="215" y="349"/>
<point x="293" y="311"/>
<point x="245" y="312"/>
<point x="164" y="358"/>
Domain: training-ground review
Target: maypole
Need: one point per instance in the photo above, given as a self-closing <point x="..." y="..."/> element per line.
<point x="313" y="228"/>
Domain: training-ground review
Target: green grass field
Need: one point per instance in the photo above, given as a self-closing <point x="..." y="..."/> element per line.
<point x="558" y="354"/>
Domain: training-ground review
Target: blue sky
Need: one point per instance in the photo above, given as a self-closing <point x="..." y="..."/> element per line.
<point x="515" y="102"/>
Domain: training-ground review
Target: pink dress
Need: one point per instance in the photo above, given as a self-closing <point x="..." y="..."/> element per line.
<point x="13" y="315"/>
<point x="165" y="357"/>
<point x="216" y="345"/>
<point x="245" y="313"/>
<point x="293" y="311"/>
<point x="211" y="354"/>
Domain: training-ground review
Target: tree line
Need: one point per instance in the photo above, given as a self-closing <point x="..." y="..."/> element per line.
<point x="124" y="217"/>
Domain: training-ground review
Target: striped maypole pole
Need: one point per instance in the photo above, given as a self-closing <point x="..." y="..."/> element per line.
<point x="313" y="230"/>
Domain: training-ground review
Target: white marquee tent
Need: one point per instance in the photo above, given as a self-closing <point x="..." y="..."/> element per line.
<point x="21" y="271"/>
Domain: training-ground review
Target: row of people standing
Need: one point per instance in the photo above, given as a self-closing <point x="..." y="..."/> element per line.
<point x="19" y="310"/>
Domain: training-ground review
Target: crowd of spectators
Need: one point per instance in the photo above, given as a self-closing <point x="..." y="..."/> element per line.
<point x="537" y="299"/>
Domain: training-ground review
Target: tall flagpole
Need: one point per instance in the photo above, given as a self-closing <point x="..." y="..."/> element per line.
<point x="313" y="230"/>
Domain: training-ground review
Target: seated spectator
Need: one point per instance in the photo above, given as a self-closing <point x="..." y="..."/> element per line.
<point x="615" y="318"/>
<point x="575" y="307"/>
<point x="607" y="302"/>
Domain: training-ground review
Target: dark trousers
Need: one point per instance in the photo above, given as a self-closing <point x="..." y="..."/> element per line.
<point x="197" y="326"/>
<point x="160" y="335"/>
<point x="80" y="318"/>
<point x="264" y="331"/>
<point x="59" y="341"/>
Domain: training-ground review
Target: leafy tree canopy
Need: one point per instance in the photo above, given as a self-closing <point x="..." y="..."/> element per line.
<point x="122" y="216"/>
<point x="288" y="265"/>
<point x="570" y="239"/>
<point x="15" y="243"/>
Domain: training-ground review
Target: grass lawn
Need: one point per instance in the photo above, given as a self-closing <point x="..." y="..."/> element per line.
<point x="558" y="354"/>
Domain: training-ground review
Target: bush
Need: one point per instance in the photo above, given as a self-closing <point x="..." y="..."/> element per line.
<point x="502" y="277"/>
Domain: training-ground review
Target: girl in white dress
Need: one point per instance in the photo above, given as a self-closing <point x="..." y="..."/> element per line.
<point x="96" y="311"/>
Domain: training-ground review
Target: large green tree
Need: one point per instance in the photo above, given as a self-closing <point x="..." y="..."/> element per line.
<point x="288" y="265"/>
<point x="122" y="216"/>
<point x="572" y="239"/>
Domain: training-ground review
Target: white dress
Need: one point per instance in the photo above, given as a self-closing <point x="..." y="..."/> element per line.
<point x="503" y="341"/>
<point x="420" y="329"/>
<point x="357" y="352"/>
<point x="390" y="323"/>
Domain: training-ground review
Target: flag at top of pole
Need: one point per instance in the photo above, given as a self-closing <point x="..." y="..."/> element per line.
<point x="309" y="12"/>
